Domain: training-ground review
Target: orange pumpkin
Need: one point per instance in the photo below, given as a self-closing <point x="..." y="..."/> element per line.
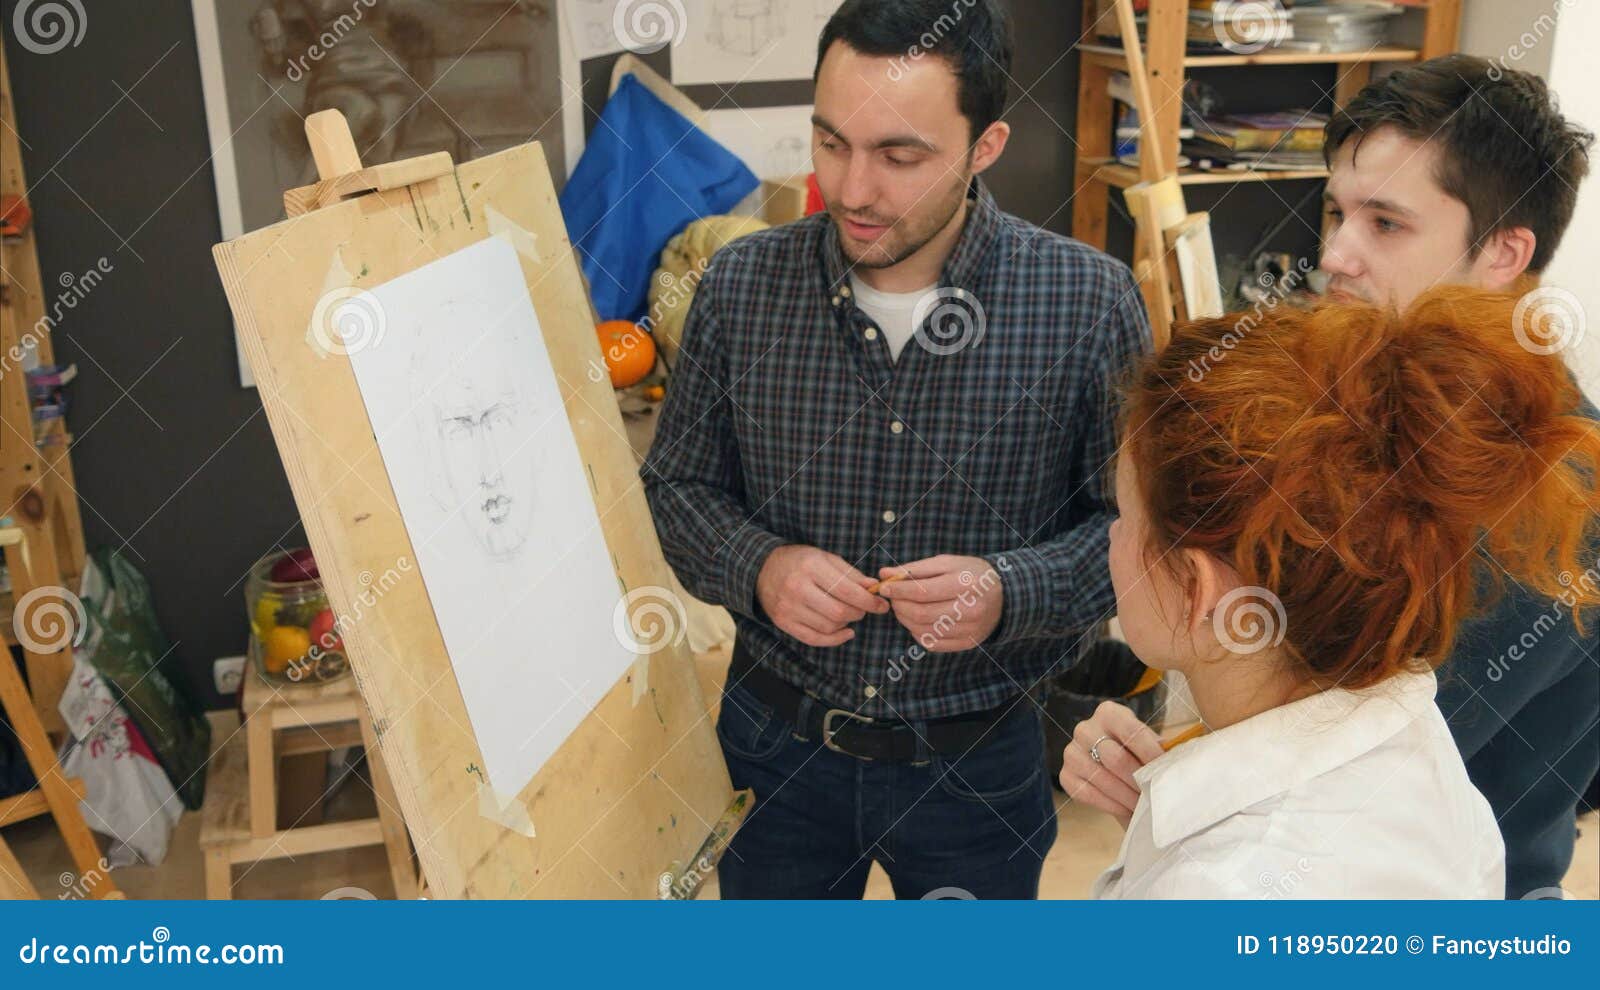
<point x="629" y="352"/>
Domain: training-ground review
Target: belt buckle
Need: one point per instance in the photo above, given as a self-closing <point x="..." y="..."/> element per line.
<point x="828" y="730"/>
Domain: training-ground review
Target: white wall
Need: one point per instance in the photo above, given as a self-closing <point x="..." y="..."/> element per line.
<point x="1557" y="39"/>
<point x="1575" y="77"/>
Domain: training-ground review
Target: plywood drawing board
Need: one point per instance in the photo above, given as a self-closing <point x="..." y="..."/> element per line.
<point x="636" y="802"/>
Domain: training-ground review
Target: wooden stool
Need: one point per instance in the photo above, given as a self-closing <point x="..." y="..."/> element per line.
<point x="240" y="817"/>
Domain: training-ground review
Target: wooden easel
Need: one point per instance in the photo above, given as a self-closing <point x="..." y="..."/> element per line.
<point x="36" y="483"/>
<point x="637" y="801"/>
<point x="1173" y="256"/>
<point x="56" y="793"/>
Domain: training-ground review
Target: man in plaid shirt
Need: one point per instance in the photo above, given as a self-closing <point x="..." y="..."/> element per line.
<point x="886" y="451"/>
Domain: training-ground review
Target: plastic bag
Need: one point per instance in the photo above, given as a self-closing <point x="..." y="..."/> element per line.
<point x="127" y="795"/>
<point x="124" y="644"/>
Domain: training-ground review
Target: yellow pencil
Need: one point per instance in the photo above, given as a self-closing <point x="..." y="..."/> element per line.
<point x="873" y="590"/>
<point x="1192" y="732"/>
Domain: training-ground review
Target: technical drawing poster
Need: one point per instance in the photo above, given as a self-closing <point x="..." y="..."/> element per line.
<point x="734" y="41"/>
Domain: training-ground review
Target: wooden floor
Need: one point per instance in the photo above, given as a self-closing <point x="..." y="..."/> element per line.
<point x="1088" y="842"/>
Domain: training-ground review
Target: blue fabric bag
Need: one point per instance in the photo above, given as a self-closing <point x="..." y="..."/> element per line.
<point x="646" y="173"/>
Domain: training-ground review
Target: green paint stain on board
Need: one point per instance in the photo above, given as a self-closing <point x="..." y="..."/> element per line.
<point x="464" y="207"/>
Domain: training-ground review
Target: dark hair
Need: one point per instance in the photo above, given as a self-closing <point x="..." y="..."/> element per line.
<point x="1506" y="151"/>
<point x="974" y="36"/>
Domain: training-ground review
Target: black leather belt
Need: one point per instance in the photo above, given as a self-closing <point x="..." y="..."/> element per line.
<point x="843" y="731"/>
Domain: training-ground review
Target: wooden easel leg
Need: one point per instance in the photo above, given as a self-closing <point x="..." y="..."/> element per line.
<point x="33" y="566"/>
<point x="219" y="875"/>
<point x="14" y="883"/>
<point x="63" y="800"/>
<point x="263" y="770"/>
<point x="395" y="837"/>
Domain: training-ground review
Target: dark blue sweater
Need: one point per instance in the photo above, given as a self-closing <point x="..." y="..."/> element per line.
<point x="1521" y="692"/>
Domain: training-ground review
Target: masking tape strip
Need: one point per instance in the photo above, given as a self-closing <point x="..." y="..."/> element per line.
<point x="507" y="812"/>
<point x="525" y="241"/>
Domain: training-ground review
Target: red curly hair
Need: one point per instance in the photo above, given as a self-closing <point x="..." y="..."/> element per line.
<point x="1356" y="461"/>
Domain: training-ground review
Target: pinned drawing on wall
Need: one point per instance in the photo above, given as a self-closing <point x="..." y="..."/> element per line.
<point x="470" y="77"/>
<point x="496" y="500"/>
<point x="774" y="142"/>
<point x="734" y="41"/>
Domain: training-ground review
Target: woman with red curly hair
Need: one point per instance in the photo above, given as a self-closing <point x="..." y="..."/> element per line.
<point x="1311" y="502"/>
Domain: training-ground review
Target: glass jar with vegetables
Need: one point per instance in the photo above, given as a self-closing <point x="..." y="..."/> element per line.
<point x="293" y="634"/>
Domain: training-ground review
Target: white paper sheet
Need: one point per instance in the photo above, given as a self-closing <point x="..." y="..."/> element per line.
<point x="732" y="41"/>
<point x="775" y="142"/>
<point x="468" y="415"/>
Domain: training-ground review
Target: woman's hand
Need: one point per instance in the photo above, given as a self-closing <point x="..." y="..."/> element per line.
<point x="1125" y="745"/>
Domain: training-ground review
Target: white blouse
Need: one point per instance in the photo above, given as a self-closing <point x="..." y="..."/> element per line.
<point x="1345" y="794"/>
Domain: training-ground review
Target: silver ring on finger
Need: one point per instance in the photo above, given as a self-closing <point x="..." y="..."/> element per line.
<point x="1094" y="751"/>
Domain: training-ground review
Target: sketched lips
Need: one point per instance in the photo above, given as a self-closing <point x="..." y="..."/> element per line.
<point x="497" y="508"/>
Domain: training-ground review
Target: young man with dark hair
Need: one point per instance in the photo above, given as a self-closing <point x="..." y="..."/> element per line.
<point x="882" y="452"/>
<point x="1457" y="171"/>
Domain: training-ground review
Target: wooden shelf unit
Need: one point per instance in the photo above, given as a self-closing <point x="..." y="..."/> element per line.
<point x="37" y="487"/>
<point x="1166" y="59"/>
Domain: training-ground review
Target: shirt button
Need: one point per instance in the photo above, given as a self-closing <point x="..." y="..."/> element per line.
<point x="897" y="427"/>
<point x="844" y="290"/>
<point x="888" y="515"/>
<point x="836" y="300"/>
<point x="871" y="692"/>
<point x="871" y="333"/>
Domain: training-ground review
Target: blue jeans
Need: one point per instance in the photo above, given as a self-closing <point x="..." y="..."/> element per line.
<point x="976" y="824"/>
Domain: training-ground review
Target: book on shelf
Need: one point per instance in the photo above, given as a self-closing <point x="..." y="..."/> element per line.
<point x="1280" y="130"/>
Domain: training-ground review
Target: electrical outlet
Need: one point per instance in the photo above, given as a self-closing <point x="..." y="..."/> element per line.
<point x="227" y="672"/>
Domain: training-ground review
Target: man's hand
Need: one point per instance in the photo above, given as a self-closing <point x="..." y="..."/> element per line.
<point x="1126" y="744"/>
<point x="814" y="595"/>
<point x="947" y="603"/>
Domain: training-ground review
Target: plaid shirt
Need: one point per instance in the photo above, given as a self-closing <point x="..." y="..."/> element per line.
<point x="787" y="421"/>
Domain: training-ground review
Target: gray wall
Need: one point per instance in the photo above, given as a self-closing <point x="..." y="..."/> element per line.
<point x="175" y="462"/>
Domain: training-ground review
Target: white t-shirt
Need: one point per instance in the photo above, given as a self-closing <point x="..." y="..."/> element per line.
<point x="1345" y="794"/>
<point x="893" y="312"/>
